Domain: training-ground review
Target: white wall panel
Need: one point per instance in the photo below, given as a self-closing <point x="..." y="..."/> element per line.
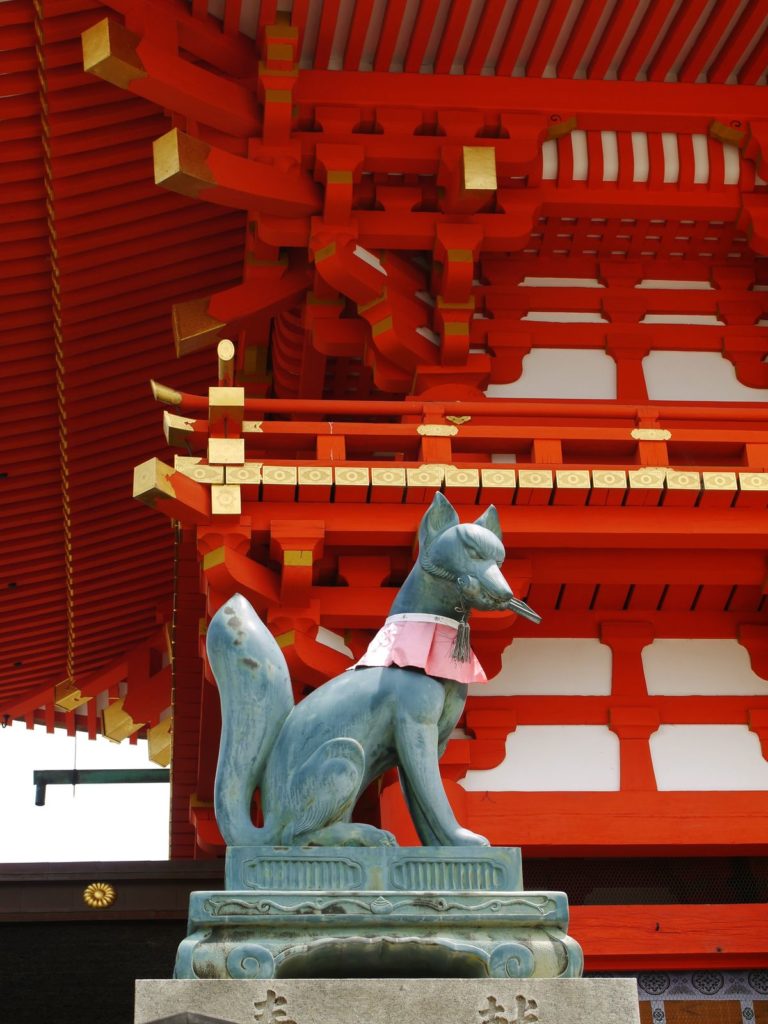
<point x="708" y="757"/>
<point x="333" y="640"/>
<point x="688" y="667"/>
<point x="695" y="377"/>
<point x="550" y="758"/>
<point x="561" y="373"/>
<point x="561" y="666"/>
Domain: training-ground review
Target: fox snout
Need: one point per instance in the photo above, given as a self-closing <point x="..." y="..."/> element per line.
<point x="485" y="587"/>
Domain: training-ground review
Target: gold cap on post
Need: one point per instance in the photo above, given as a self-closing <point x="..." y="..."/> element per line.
<point x="164" y="394"/>
<point x="109" y="51"/>
<point x="479" y="168"/>
<point x="225" y="351"/>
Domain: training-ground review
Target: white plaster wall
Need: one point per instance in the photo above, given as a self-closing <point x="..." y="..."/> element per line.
<point x="684" y="668"/>
<point x="552" y="758"/>
<point x="562" y="666"/>
<point x="333" y="640"/>
<point x="559" y="282"/>
<point x="695" y="377"/>
<point x="561" y="373"/>
<point x="708" y="757"/>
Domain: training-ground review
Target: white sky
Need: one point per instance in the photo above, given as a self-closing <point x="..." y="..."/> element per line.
<point x="96" y="822"/>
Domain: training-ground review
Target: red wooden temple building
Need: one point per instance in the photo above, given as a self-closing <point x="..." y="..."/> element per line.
<point x="516" y="250"/>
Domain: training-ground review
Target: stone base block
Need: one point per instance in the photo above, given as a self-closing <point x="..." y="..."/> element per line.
<point x="382" y="1001"/>
<point x="406" y="868"/>
<point x="376" y="913"/>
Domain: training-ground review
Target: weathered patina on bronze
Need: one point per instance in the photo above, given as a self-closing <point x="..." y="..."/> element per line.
<point x="311" y="761"/>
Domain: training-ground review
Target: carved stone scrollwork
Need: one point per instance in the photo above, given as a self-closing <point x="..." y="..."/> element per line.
<point x="512" y="960"/>
<point x="250" y="960"/>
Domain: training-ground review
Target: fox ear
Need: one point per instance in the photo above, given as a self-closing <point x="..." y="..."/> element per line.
<point x="490" y="520"/>
<point x="439" y="517"/>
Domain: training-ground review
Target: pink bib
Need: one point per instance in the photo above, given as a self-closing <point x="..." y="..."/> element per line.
<point x="415" y="640"/>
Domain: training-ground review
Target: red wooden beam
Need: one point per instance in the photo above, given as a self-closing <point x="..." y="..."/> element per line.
<point x="202" y="36"/>
<point x="420" y="34"/>
<point x="627" y="106"/>
<point x="517" y="32"/>
<point x="645" y="39"/>
<point x="580" y="37"/>
<point x="754" y="67"/>
<point x="191" y="167"/>
<point x="626" y="823"/>
<point x="709" y="38"/>
<point x="668" y="938"/>
<point x="326" y="33"/>
<point x="546" y="38"/>
<point x="451" y="36"/>
<point x="353" y="51"/>
<point x="740" y="38"/>
<point x="611" y="37"/>
<point x="485" y="32"/>
<point x="121" y="57"/>
<point x="676" y="36"/>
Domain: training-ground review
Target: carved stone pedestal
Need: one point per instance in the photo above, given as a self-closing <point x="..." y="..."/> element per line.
<point x="382" y="1001"/>
<point x="364" y="912"/>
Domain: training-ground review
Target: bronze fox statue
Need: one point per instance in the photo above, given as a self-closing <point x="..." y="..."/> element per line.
<point x="312" y="760"/>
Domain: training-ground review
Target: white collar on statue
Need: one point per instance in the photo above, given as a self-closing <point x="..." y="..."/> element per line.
<point x="440" y="620"/>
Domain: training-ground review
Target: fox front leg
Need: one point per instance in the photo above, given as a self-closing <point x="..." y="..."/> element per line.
<point x="416" y="740"/>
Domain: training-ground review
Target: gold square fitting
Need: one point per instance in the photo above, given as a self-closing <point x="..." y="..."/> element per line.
<point x="116" y="724"/>
<point x="424" y="476"/>
<point x="678" y="481"/>
<point x="226" y="404"/>
<point x="250" y="473"/>
<point x="196" y="469"/>
<point x="225" y="500"/>
<point x="178" y="430"/>
<point x="394" y="477"/>
<point x="479" y="168"/>
<point x="646" y="479"/>
<point x="297" y="558"/>
<point x="503" y="478"/>
<point x="151" y="480"/>
<point x="160" y="742"/>
<point x="609" y="479"/>
<point x="753" y="481"/>
<point x="181" y="163"/>
<point x="211" y="559"/>
<point x="109" y="51"/>
<point x="535" y="478"/>
<point x="351" y="476"/>
<point x="226" y="451"/>
<point x="572" y="479"/>
<point x="719" y="481"/>
<point x="193" y="327"/>
<point x="67" y="697"/>
<point x="315" y="476"/>
<point x="461" y="477"/>
<point x="283" y="476"/>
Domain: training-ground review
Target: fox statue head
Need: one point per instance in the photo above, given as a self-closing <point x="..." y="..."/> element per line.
<point x="459" y="564"/>
<point x="469" y="554"/>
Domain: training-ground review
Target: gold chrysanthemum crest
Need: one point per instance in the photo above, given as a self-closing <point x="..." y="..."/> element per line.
<point x="99" y="895"/>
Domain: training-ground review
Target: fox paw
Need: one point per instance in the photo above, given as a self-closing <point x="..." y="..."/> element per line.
<point x="463" y="837"/>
